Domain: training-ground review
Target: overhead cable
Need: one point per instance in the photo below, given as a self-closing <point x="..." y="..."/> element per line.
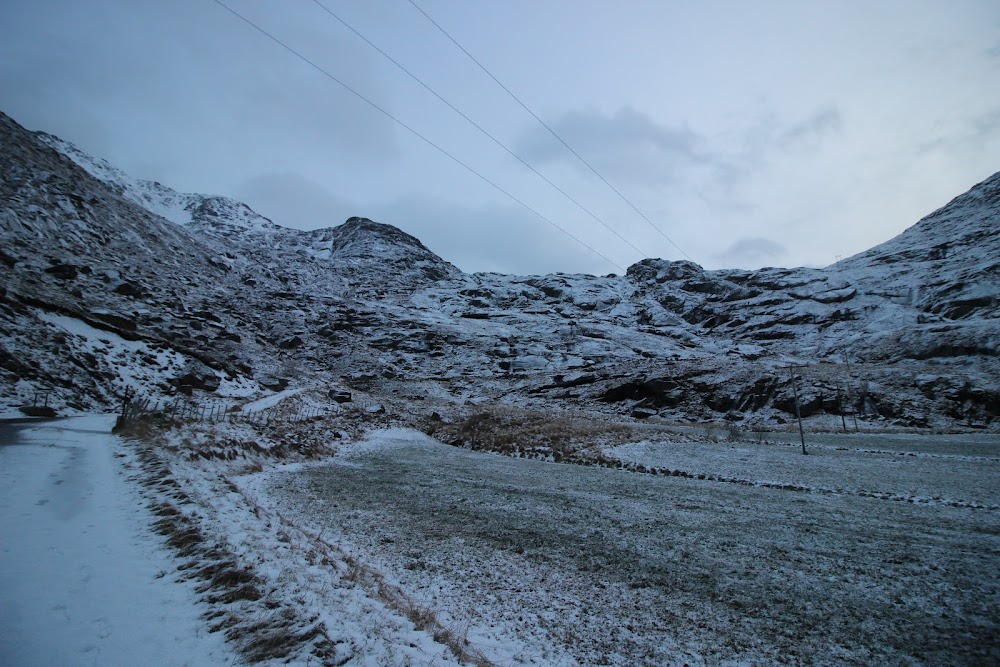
<point x="477" y="126"/>
<point x="547" y="127"/>
<point x="420" y="136"/>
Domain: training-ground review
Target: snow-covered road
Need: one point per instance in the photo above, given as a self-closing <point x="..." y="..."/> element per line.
<point x="83" y="580"/>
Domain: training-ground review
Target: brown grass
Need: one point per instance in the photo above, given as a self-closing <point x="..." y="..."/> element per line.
<point x="261" y="627"/>
<point x="273" y="637"/>
<point x="528" y="433"/>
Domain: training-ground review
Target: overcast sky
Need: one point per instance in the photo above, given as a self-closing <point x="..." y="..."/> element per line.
<point x="771" y="133"/>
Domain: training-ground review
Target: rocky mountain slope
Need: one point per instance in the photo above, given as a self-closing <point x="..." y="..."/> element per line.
<point x="113" y="284"/>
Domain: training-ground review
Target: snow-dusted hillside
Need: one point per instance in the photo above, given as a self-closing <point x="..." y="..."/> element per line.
<point x="947" y="264"/>
<point x="112" y="283"/>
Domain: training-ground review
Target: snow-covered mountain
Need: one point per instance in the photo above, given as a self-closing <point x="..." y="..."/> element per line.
<point x="947" y="264"/>
<point x="113" y="283"/>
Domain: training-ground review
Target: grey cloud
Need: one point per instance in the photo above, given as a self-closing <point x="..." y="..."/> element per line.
<point x="504" y="239"/>
<point x="986" y="125"/>
<point x="239" y="98"/>
<point x="752" y="253"/>
<point x="772" y="136"/>
<point x="628" y="145"/>
<point x="768" y="138"/>
<point x="292" y="200"/>
<point x="974" y="132"/>
<point x="807" y="133"/>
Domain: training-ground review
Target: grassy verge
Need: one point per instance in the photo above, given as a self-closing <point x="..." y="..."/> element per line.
<point x="254" y="615"/>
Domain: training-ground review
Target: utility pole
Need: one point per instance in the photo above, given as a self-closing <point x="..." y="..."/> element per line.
<point x="840" y="404"/>
<point x="798" y="412"/>
<point x="512" y="346"/>
<point x="854" y="412"/>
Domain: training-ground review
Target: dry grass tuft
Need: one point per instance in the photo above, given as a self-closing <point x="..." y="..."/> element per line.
<point x="262" y="628"/>
<point x="274" y="637"/>
<point x="528" y="433"/>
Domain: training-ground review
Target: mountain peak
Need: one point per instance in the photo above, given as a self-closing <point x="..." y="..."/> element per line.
<point x="358" y="228"/>
<point x="362" y="242"/>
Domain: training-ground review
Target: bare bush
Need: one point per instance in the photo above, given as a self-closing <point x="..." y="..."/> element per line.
<point x="733" y="432"/>
<point x="530" y="433"/>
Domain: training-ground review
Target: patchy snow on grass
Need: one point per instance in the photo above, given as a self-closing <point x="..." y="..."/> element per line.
<point x="893" y="471"/>
<point x="543" y="563"/>
<point x="367" y="621"/>
<point x="400" y="548"/>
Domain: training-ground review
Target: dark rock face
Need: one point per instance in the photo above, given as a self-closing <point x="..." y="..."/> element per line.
<point x="661" y="271"/>
<point x="117" y="322"/>
<point x="197" y="376"/>
<point x="660" y="393"/>
<point x="291" y="343"/>
<point x="62" y="271"/>
<point x="129" y="289"/>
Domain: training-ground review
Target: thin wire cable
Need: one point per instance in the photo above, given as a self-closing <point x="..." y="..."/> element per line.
<point x="477" y="126"/>
<point x="547" y="127"/>
<point x="406" y="127"/>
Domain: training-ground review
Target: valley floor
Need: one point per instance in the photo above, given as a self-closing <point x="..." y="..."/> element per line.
<point x="399" y="550"/>
<point x="885" y="552"/>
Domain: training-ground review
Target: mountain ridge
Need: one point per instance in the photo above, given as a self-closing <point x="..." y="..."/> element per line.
<point x="241" y="304"/>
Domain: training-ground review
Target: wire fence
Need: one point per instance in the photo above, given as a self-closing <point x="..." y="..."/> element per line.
<point x="135" y="408"/>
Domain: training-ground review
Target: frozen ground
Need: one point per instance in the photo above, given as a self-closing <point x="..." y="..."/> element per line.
<point x="958" y="470"/>
<point x="871" y="550"/>
<point x="561" y="564"/>
<point x="83" y="580"/>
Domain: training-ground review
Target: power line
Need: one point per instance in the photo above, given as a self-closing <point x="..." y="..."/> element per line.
<point x="547" y="127"/>
<point x="477" y="126"/>
<point x="351" y="90"/>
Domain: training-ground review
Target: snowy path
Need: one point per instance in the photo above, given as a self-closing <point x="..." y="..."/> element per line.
<point x="83" y="580"/>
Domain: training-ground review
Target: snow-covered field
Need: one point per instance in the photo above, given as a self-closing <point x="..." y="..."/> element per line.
<point x="874" y="549"/>
<point x="544" y="563"/>
<point x="938" y="469"/>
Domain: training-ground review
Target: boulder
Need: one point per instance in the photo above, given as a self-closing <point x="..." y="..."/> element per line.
<point x="127" y="288"/>
<point x="339" y="395"/>
<point x="291" y="343"/>
<point x="62" y="271"/>
<point x="197" y="375"/>
<point x="639" y="412"/>
<point x="273" y="383"/>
